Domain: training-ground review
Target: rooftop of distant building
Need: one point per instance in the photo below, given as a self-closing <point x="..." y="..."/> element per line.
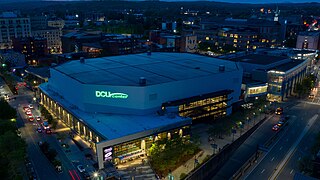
<point x="261" y="59"/>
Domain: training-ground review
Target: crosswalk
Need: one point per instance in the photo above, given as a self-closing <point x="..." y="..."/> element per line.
<point x="142" y="172"/>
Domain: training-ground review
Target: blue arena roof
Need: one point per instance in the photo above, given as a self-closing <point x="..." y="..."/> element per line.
<point x="156" y="68"/>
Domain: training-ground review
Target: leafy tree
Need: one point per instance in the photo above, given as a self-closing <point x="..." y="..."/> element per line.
<point x="12" y="154"/>
<point x="6" y="111"/>
<point x="168" y="154"/>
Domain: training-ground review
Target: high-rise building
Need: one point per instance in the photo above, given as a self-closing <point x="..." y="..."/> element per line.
<point x="12" y="26"/>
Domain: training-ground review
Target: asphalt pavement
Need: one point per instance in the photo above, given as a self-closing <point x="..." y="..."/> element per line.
<point x="247" y="149"/>
<point x="272" y="162"/>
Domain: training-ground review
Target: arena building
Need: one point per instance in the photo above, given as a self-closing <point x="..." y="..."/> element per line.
<point x="122" y="104"/>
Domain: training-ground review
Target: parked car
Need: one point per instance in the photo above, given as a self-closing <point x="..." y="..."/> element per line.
<point x="31" y="119"/>
<point x="28" y="112"/>
<point x="39" y="130"/>
<point x="45" y="125"/>
<point x="38" y="118"/>
<point x="30" y="106"/>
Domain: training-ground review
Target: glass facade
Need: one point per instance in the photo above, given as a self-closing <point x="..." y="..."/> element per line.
<point x="214" y="105"/>
<point x="134" y="149"/>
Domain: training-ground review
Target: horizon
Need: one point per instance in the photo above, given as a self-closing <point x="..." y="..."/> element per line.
<point x="222" y="1"/>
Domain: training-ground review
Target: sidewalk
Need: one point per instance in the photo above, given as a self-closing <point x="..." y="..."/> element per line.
<point x="207" y="149"/>
<point x="76" y="154"/>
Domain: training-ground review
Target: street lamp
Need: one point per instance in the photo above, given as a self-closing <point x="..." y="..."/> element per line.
<point x="260" y="113"/>
<point x="254" y="120"/>
<point x="95" y="174"/>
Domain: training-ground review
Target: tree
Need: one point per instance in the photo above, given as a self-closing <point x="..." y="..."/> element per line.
<point x="169" y="154"/>
<point x="6" y="111"/>
<point x="12" y="154"/>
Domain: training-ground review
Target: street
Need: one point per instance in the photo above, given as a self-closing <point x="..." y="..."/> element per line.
<point x="272" y="163"/>
<point x="43" y="168"/>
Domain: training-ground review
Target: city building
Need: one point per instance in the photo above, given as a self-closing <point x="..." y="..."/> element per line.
<point x="122" y="104"/>
<point x="241" y="34"/>
<point x="72" y="42"/>
<point x="32" y="47"/>
<point x="53" y="36"/>
<point x="309" y="40"/>
<point x="173" y="43"/>
<point x="273" y="73"/>
<point x="12" y="26"/>
<point x="39" y="22"/>
<point x="59" y="23"/>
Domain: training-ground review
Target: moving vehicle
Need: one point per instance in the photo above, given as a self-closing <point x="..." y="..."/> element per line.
<point x="275" y="127"/>
<point x="30" y="106"/>
<point x="45" y="125"/>
<point x="38" y="118"/>
<point x="39" y="130"/>
<point x="28" y="112"/>
<point x="31" y="119"/>
<point x="279" y="111"/>
<point x="311" y="96"/>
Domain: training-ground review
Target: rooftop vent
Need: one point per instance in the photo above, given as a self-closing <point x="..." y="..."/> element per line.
<point x="222" y="68"/>
<point x="82" y="60"/>
<point x="142" y="81"/>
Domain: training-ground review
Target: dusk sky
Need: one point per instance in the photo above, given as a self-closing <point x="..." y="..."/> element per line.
<point x="230" y="1"/>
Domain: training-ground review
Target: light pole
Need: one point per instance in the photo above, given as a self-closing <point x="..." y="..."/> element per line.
<point x="254" y="120"/>
<point x="260" y="113"/>
<point x="96" y="175"/>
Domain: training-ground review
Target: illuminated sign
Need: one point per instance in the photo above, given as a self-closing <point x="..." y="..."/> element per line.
<point x="107" y="153"/>
<point x="108" y="94"/>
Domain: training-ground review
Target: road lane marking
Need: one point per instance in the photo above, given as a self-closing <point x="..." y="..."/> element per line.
<point x="291" y="171"/>
<point x="263" y="171"/>
<point x="293" y="148"/>
<point x="272" y="159"/>
<point x="280" y="147"/>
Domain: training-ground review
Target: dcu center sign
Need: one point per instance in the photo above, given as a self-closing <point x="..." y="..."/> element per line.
<point x="108" y="94"/>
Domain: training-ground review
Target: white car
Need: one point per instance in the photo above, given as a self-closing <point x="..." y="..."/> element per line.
<point x="81" y="168"/>
<point x="38" y="118"/>
<point x="30" y="106"/>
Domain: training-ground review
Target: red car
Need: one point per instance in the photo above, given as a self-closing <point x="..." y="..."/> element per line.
<point x="31" y="119"/>
<point x="28" y="112"/>
<point x="48" y="131"/>
<point x="26" y="109"/>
